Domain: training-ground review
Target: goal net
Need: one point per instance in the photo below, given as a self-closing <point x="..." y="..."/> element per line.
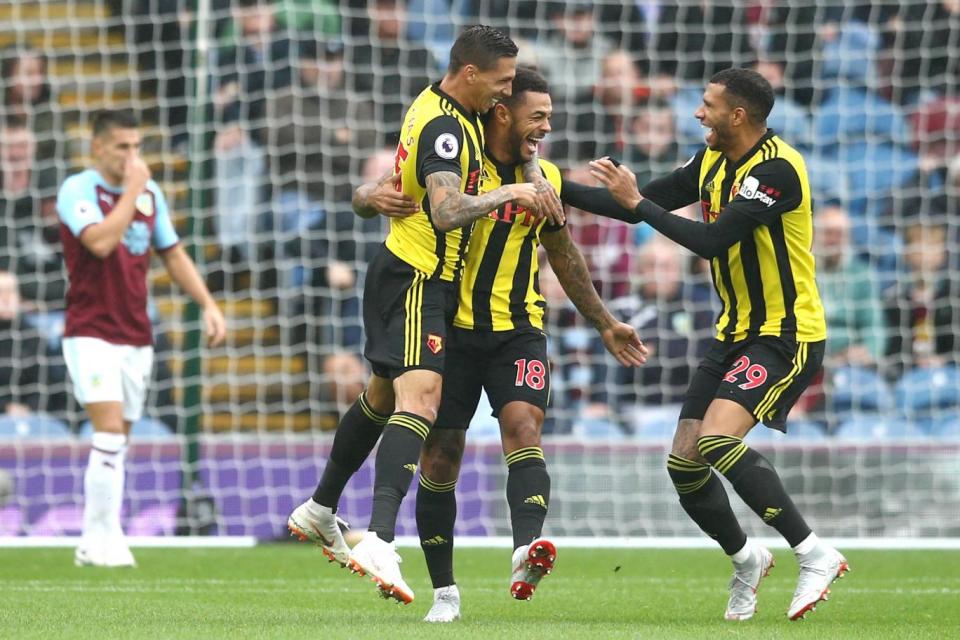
<point x="259" y="118"/>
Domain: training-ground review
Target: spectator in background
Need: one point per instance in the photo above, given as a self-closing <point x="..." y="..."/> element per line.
<point x="598" y="122"/>
<point x="571" y="53"/>
<point x="921" y="40"/>
<point x="26" y="95"/>
<point x="607" y="245"/>
<point x="161" y="42"/>
<point x="256" y="66"/>
<point x="696" y="39"/>
<point x="652" y="149"/>
<point x="923" y="308"/>
<point x="848" y="289"/>
<point x="675" y="328"/>
<point x="28" y="382"/>
<point x="388" y="69"/>
<point x="38" y="252"/>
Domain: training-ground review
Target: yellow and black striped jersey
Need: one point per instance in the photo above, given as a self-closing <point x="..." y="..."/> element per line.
<point x="438" y="134"/>
<point x="766" y="281"/>
<point x="500" y="288"/>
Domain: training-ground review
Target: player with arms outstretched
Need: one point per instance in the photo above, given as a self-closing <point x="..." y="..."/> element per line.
<point x="757" y="210"/>
<point x="410" y="296"/>
<point x="111" y="215"/>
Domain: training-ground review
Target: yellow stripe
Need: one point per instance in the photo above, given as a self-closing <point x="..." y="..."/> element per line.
<point x="370" y="413"/>
<point x="679" y="464"/>
<point x="419" y="316"/>
<point x="437" y="487"/>
<point x="523" y="454"/>
<point x="408" y="298"/>
<point x="776" y="390"/>
<point x="417" y="427"/>
<point x="731" y="458"/>
<point x="726" y="456"/>
<point x="713" y="442"/>
<point x="690" y="487"/>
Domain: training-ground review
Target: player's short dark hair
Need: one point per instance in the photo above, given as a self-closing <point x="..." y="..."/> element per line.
<point x="747" y="89"/>
<point x="527" y="79"/>
<point x="108" y="119"/>
<point x="481" y="46"/>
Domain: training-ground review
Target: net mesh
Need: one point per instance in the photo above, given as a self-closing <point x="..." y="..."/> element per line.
<point x="260" y="118"/>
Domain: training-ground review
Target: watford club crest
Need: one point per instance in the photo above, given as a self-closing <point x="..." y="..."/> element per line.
<point x="434" y="343"/>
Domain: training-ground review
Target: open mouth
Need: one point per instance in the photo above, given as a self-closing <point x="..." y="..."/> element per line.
<point x="532" y="143"/>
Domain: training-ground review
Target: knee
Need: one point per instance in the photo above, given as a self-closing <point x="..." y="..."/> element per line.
<point x="379" y="395"/>
<point x="520" y="426"/>
<point x="441" y="456"/>
<point x="685" y="441"/>
<point x="422" y="399"/>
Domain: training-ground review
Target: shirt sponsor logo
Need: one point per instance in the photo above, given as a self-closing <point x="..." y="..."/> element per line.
<point x="751" y="189"/>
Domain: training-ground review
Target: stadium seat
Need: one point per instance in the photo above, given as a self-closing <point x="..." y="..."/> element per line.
<point x="858" y="390"/>
<point x="850" y="114"/>
<point x="145" y="427"/>
<point x="598" y="429"/>
<point x="33" y="426"/>
<point x="654" y="423"/>
<point x="928" y="391"/>
<point x="946" y="427"/>
<point x="805" y="430"/>
<point x="851" y="55"/>
<point x="877" y="429"/>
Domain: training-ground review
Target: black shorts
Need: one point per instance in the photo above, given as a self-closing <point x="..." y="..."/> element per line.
<point x="764" y="375"/>
<point x="406" y="316"/>
<point x="510" y="365"/>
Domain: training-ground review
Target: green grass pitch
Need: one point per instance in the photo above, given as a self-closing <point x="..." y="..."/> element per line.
<point x="289" y="591"/>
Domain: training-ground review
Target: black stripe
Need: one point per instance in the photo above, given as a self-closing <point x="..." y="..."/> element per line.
<point x="487" y="273"/>
<point x="521" y="278"/>
<point x="788" y="326"/>
<point x="727" y="283"/>
<point x="754" y="283"/>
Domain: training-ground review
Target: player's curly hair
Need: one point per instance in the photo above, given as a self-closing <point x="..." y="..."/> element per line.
<point x="481" y="46"/>
<point x="527" y="79"/>
<point x="747" y="89"/>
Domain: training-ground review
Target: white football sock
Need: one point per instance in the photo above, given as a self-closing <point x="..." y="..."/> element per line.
<point x="103" y="487"/>
<point x="807" y="545"/>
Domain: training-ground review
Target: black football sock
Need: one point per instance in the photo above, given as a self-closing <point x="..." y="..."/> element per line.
<point x="436" y="516"/>
<point x="396" y="463"/>
<point x="356" y="436"/>
<point x="528" y="493"/>
<point x="757" y="483"/>
<point x="705" y="500"/>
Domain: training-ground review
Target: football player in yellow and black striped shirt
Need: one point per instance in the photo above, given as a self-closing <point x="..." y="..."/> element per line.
<point x="758" y="230"/>
<point x="498" y="345"/>
<point x="410" y="296"/>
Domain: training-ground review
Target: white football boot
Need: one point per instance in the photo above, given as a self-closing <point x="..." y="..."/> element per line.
<point x="319" y="524"/>
<point x="818" y="569"/>
<point x="530" y="564"/>
<point x="112" y="554"/>
<point x="380" y="560"/>
<point x="745" y="582"/>
<point x="446" y="605"/>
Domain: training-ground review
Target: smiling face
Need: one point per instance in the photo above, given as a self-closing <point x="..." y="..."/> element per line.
<point x="718" y="117"/>
<point x="529" y="123"/>
<point x="493" y="85"/>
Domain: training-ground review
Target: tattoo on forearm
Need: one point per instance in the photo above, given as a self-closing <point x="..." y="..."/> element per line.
<point x="571" y="270"/>
<point x="361" y="202"/>
<point x="451" y="208"/>
<point x="531" y="169"/>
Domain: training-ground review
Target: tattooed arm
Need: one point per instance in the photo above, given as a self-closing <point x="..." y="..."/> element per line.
<point x="382" y="197"/>
<point x="547" y="198"/>
<point x="451" y="209"/>
<point x="620" y="339"/>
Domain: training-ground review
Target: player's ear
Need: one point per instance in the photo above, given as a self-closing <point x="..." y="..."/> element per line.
<point x="502" y="113"/>
<point x="470" y="72"/>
